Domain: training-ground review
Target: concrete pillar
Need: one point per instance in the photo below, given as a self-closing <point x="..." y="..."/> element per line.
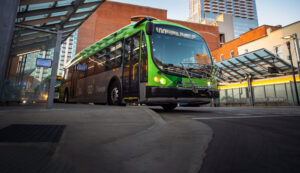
<point x="8" y="13"/>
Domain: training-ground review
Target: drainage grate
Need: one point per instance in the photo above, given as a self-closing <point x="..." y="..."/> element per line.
<point x="31" y="133"/>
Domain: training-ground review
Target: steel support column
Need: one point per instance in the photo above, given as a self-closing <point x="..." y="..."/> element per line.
<point x="54" y="69"/>
<point x="250" y="90"/>
<point x="8" y="13"/>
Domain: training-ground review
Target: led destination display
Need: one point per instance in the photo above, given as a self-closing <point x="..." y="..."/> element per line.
<point x="175" y="31"/>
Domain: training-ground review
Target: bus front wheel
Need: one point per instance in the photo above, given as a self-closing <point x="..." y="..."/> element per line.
<point x="169" y="107"/>
<point x="114" y="94"/>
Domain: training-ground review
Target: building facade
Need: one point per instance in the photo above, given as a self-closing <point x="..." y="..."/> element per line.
<point x="243" y="11"/>
<point x="112" y="16"/>
<point x="67" y="52"/>
<point x="271" y="90"/>
<point x="230" y="49"/>
<point x="275" y="43"/>
<point x="225" y="24"/>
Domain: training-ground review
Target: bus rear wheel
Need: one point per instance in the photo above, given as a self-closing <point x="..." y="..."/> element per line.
<point x="169" y="107"/>
<point x="114" y="94"/>
<point x="66" y="97"/>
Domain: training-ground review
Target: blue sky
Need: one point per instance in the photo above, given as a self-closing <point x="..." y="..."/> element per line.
<point x="271" y="12"/>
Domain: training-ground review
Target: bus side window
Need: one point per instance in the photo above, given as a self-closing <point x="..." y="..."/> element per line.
<point x="127" y="50"/>
<point x="82" y="68"/>
<point x="118" y="54"/>
<point x="99" y="59"/>
<point x="136" y="48"/>
<point x="91" y="67"/>
<point x="115" y="55"/>
<point x="144" y="60"/>
<point x="108" y="58"/>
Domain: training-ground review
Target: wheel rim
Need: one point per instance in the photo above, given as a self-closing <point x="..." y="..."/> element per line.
<point x="114" y="95"/>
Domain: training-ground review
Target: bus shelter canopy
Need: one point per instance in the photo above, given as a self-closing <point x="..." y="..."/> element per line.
<point x="258" y="64"/>
<point x="38" y="20"/>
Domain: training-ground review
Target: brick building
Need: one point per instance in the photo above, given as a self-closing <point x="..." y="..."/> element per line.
<point x="230" y="49"/>
<point x="112" y="16"/>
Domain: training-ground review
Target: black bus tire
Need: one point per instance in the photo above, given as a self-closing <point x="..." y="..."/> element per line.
<point x="66" y="97"/>
<point x="169" y="107"/>
<point x="114" y="94"/>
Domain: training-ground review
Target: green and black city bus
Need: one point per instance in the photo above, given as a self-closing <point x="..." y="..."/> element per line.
<point x="150" y="62"/>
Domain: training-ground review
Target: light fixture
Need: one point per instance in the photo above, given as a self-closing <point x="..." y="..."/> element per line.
<point x="156" y="79"/>
<point x="287" y="37"/>
<point x="163" y="81"/>
<point x="209" y="83"/>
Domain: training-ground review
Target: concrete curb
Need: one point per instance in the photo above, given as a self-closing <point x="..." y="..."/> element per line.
<point x="156" y="117"/>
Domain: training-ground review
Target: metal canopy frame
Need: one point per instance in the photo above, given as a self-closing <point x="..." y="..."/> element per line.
<point x="38" y="21"/>
<point x="254" y="64"/>
<point x="45" y="24"/>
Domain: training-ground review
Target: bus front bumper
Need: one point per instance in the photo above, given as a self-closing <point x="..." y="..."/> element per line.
<point x="178" y="95"/>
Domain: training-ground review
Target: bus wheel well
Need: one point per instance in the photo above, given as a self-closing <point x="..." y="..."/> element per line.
<point x="112" y="81"/>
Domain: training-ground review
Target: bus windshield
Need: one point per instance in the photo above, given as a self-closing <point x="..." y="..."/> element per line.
<point x="173" y="46"/>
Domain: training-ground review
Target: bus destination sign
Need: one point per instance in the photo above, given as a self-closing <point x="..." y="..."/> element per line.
<point x="176" y="31"/>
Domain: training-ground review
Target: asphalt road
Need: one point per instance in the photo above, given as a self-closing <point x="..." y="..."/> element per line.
<point x="246" y="140"/>
<point x="77" y="138"/>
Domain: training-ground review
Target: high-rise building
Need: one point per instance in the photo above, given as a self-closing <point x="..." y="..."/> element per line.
<point x="243" y="11"/>
<point x="67" y="51"/>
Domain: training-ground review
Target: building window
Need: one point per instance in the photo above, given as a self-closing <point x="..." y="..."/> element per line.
<point x="232" y="53"/>
<point x="221" y="57"/>
<point x="222" y="39"/>
<point x="278" y="50"/>
<point x="246" y="50"/>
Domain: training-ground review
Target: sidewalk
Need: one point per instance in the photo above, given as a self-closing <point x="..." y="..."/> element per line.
<point x="88" y="138"/>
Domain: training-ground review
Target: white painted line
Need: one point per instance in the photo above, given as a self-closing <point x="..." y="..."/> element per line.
<point x="244" y="114"/>
<point x="29" y="110"/>
<point x="52" y="109"/>
<point x="244" y="117"/>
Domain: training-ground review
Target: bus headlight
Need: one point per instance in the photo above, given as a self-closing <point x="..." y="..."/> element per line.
<point x="162" y="81"/>
<point x="156" y="79"/>
<point x="208" y="83"/>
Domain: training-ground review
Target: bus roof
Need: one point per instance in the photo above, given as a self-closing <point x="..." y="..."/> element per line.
<point x="115" y="36"/>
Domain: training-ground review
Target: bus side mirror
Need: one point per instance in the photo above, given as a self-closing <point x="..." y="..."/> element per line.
<point x="149" y="28"/>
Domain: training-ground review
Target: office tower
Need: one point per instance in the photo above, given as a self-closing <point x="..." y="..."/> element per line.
<point x="243" y="11"/>
<point x="67" y="52"/>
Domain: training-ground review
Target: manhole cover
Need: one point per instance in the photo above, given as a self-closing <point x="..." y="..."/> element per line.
<point x="31" y="133"/>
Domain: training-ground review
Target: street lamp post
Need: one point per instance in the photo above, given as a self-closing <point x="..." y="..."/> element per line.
<point x="293" y="71"/>
<point x="297" y="48"/>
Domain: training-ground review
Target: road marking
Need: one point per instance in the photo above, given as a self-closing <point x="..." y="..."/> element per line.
<point x="52" y="109"/>
<point x="27" y="110"/>
<point x="243" y="117"/>
<point x="244" y="114"/>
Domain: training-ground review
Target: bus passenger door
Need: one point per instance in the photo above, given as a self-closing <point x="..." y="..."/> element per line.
<point x="130" y="78"/>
